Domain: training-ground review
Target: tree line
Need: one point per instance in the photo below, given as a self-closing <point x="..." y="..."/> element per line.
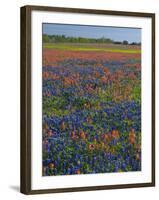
<point x="62" y="38"/>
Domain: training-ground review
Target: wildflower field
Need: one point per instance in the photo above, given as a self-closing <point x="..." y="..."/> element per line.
<point x="91" y="108"/>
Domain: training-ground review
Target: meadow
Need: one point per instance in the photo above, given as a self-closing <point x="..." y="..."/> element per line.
<point x="91" y="108"/>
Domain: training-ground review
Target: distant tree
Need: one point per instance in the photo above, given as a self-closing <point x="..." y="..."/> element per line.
<point x="117" y="42"/>
<point x="125" y="42"/>
<point x="133" y="43"/>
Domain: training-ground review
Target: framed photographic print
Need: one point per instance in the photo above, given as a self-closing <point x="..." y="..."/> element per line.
<point x="87" y="99"/>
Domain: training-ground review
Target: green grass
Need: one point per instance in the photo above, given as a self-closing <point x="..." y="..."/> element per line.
<point x="72" y="47"/>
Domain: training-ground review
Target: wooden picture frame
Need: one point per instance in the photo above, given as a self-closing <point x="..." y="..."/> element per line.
<point x="26" y="98"/>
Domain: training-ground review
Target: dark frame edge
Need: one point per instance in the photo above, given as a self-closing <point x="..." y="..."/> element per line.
<point x="25" y="107"/>
<point x="90" y="188"/>
<point x="89" y="11"/>
<point x="153" y="100"/>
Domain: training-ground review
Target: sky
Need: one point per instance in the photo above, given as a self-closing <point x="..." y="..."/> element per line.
<point x="114" y="33"/>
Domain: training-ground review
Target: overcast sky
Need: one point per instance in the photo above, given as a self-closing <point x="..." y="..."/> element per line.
<point x="114" y="33"/>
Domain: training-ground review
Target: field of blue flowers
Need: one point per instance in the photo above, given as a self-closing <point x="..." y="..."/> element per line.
<point x="91" y="113"/>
